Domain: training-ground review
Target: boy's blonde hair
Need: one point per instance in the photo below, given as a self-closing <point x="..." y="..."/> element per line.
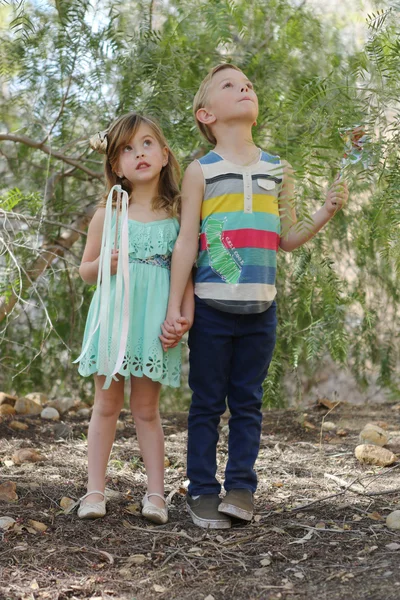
<point x="200" y="99"/>
<point x="118" y="135"/>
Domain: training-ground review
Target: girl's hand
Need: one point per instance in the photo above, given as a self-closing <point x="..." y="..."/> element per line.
<point x="336" y="197"/>
<point x="114" y="261"/>
<point x="169" y="337"/>
<point x="172" y="334"/>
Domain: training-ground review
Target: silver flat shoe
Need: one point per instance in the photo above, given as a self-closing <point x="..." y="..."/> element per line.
<point x="152" y="512"/>
<point x="92" y="510"/>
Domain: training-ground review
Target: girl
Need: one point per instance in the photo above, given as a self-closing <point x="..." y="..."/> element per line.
<point x="123" y="324"/>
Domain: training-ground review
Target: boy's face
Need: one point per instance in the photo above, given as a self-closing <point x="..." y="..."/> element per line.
<point x="230" y="96"/>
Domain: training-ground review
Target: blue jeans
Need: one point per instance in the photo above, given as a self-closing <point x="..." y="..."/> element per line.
<point x="229" y="359"/>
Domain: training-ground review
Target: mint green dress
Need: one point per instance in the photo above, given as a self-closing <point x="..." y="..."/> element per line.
<point x="127" y="309"/>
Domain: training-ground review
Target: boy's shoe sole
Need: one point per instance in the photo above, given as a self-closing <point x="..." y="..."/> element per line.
<point x="212" y="520"/>
<point x="238" y="504"/>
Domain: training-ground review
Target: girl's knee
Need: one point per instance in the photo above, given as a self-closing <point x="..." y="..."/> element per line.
<point x="107" y="407"/>
<point x="146" y="413"/>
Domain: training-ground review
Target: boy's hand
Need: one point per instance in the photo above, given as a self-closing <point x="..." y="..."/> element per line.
<point x="184" y="325"/>
<point x="336" y="197"/>
<point x="114" y="261"/>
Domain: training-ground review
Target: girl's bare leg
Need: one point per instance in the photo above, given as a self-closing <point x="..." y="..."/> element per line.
<point x="106" y="409"/>
<point x="145" y="395"/>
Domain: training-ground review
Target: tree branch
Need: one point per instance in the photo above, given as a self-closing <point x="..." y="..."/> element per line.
<point x="23" y="139"/>
<point x="18" y="217"/>
<point x="50" y="250"/>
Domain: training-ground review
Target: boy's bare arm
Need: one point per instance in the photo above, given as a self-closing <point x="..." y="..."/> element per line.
<point x="187" y="308"/>
<point x="296" y="234"/>
<point x="169" y="336"/>
<point x="186" y="246"/>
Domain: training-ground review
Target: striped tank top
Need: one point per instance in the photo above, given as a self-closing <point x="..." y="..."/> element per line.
<point x="239" y="234"/>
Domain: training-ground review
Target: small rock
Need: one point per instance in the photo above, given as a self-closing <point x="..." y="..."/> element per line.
<point x="112" y="494"/>
<point x="328" y="426"/>
<point x="160" y="589"/>
<point x="136" y="559"/>
<point x="120" y="426"/>
<point x="382" y="424"/>
<point x="50" y="413"/>
<point x="262" y="572"/>
<point x="8" y="491"/>
<point x="6" y="523"/>
<point x="63" y="405"/>
<point x="372" y="434"/>
<point x="66" y="502"/>
<point x="38" y="397"/>
<point x="83" y="413"/>
<point x="26" y="455"/>
<point x="342" y="432"/>
<point x="26" y="406"/>
<point x="62" y="431"/>
<point x="134" y="509"/>
<point x="393" y="520"/>
<point x="196" y="551"/>
<point x="7" y="409"/>
<point x="37" y="525"/>
<point x="209" y="597"/>
<point x="326" y="403"/>
<point x="167" y="462"/>
<point x="7" y="399"/>
<point x="394" y="446"/>
<point x="126" y="573"/>
<point x="393" y="546"/>
<point x="18" y="426"/>
<point x="374" y="455"/>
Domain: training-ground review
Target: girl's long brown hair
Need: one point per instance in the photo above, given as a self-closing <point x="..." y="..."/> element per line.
<point x="119" y="135"/>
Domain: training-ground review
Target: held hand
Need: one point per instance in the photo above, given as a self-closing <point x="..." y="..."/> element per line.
<point x="114" y="261"/>
<point x="336" y="197"/>
<point x="184" y="324"/>
<point x="172" y="334"/>
<point x="169" y="338"/>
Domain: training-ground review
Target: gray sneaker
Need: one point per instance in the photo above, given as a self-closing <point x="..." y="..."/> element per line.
<point x="204" y="512"/>
<point x="238" y="504"/>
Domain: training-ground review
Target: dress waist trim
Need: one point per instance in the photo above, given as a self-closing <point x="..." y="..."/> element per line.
<point x="158" y="260"/>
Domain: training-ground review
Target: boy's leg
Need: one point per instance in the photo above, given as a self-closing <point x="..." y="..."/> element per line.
<point x="210" y="343"/>
<point x="252" y="353"/>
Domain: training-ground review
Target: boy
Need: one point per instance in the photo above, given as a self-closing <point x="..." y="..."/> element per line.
<point x="241" y="198"/>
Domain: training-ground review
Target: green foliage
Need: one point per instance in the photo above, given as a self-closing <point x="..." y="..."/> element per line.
<point x="70" y="67"/>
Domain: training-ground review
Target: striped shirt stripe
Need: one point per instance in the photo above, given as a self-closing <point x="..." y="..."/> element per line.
<point x="249" y="274"/>
<point x="235" y="292"/>
<point x="246" y="238"/>
<point x="234" y="202"/>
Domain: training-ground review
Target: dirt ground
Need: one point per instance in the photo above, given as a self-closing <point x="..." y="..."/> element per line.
<point x="311" y="537"/>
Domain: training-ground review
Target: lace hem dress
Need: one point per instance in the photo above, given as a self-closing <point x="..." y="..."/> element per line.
<point x="129" y="344"/>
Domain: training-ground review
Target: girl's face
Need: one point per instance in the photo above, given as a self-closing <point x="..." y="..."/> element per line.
<point x="142" y="159"/>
